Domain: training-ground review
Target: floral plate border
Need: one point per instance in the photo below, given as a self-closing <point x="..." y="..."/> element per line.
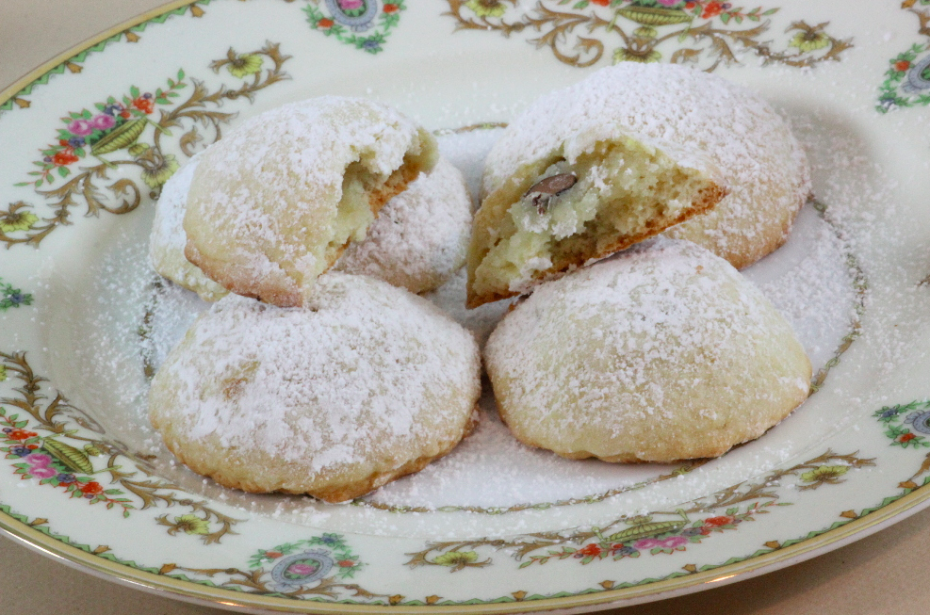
<point x="291" y="566"/>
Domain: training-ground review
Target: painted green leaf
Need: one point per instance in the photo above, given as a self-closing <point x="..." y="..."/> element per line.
<point x="134" y="92"/>
<point x="121" y="137"/>
<point x="647" y="530"/>
<point x="71" y="457"/>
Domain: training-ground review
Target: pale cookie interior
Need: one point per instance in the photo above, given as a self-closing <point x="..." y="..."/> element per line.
<point x="621" y="191"/>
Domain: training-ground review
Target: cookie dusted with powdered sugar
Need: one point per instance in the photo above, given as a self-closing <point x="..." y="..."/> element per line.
<point x="421" y="235"/>
<point x="168" y="239"/>
<point x="661" y="353"/>
<point x="364" y="384"/>
<point x="761" y="162"/>
<point x="274" y="204"/>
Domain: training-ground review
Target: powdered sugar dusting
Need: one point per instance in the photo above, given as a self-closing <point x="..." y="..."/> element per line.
<point x="597" y="351"/>
<point x="420" y="237"/>
<point x="168" y="239"/>
<point x="491" y="469"/>
<point x="272" y="186"/>
<point x="467" y="150"/>
<point x="168" y="227"/>
<point x="812" y="282"/>
<point x="451" y="296"/>
<point x="761" y="162"/>
<point x="360" y="370"/>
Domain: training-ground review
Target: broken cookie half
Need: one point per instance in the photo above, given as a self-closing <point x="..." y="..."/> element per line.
<point x="590" y="197"/>
<point x="274" y="204"/>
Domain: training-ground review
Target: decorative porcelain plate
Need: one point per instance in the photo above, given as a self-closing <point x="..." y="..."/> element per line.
<point x="88" y="143"/>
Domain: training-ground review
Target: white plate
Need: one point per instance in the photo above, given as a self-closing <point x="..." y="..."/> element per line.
<point x="76" y="478"/>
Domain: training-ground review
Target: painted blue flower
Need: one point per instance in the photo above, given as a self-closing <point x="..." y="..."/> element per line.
<point x="113" y="109"/>
<point x="330" y="539"/>
<point x="371" y="44"/>
<point x="890" y="412"/>
<point x="76" y="141"/>
<point x="19" y="451"/>
<point x="920" y="421"/>
<point x="625" y="551"/>
<point x="65" y="478"/>
<point x="7" y="429"/>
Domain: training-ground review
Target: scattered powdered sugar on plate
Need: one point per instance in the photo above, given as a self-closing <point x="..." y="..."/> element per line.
<point x="812" y="282"/>
<point x="492" y="470"/>
<point x="467" y="150"/>
<point x="450" y="297"/>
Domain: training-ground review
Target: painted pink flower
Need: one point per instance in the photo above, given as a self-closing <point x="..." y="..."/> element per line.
<point x="38" y="460"/>
<point x="302" y="569"/>
<point x="350" y="5"/>
<point x="103" y="122"/>
<point x="39" y="463"/>
<point x="44" y="472"/>
<point x="81" y="127"/>
<point x="672" y="542"/>
<point x="668" y="2"/>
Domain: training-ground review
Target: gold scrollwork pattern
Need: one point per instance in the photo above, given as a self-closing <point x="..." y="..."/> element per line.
<point x="704" y="33"/>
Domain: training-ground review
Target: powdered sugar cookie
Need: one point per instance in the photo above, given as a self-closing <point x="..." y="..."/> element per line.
<point x="661" y="353"/>
<point x="762" y="163"/>
<point x="167" y="241"/>
<point x="274" y="204"/>
<point x="594" y="191"/>
<point x="364" y="384"/>
<point x="421" y="235"/>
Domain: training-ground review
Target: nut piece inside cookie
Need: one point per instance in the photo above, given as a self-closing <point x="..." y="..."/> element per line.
<point x="542" y="192"/>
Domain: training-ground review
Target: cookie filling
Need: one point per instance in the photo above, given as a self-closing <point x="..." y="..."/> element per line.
<point x="555" y="214"/>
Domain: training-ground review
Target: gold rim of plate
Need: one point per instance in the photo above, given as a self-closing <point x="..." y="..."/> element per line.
<point x="725" y="574"/>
